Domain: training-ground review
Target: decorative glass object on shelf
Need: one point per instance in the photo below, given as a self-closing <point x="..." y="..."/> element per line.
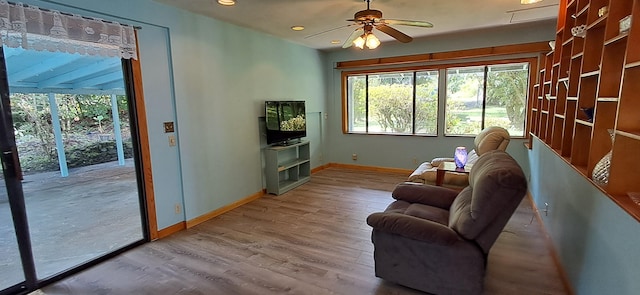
<point x="579" y="31"/>
<point x="602" y="11"/>
<point x="460" y="156"/>
<point x="625" y="24"/>
<point x="601" y="171"/>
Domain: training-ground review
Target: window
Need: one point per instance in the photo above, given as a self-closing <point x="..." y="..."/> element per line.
<point x="482" y="96"/>
<point x="393" y="103"/>
<point x="406" y="102"/>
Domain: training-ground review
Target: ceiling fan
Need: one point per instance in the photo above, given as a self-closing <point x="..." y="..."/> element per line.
<point x="369" y="19"/>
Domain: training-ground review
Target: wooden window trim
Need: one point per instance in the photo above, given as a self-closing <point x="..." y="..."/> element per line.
<point x="525" y="48"/>
<point x="533" y="68"/>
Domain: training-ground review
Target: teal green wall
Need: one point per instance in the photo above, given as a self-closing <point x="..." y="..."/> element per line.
<point x="400" y="151"/>
<point x="596" y="240"/>
<point x="211" y="78"/>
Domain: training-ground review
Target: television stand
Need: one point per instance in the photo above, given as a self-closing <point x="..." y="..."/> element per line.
<point x="287" y="166"/>
<point x="288" y="142"/>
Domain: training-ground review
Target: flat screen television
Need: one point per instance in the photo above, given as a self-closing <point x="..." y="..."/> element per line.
<point x="285" y="121"/>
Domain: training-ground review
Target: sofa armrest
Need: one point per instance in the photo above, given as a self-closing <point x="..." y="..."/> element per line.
<point x="412" y="227"/>
<point x="431" y="195"/>
<point x="437" y="161"/>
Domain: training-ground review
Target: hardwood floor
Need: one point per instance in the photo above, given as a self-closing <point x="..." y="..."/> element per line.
<point x="312" y="240"/>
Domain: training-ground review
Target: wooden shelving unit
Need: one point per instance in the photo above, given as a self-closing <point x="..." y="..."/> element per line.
<point x="599" y="70"/>
<point x="287" y="167"/>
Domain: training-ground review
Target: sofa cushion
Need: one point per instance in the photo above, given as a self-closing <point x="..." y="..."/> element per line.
<point x="424" y="194"/>
<point x="491" y="138"/>
<point x="427" y="212"/>
<point x="496" y="183"/>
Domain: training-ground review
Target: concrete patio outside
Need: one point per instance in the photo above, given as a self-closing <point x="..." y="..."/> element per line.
<point x="93" y="211"/>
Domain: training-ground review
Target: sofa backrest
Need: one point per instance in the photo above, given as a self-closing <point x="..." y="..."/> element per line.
<point x="496" y="187"/>
<point x="491" y="138"/>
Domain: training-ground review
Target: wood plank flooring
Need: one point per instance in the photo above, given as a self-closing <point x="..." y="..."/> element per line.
<point x="312" y="240"/>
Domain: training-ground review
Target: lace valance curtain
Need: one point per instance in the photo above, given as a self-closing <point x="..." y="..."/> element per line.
<point x="33" y="28"/>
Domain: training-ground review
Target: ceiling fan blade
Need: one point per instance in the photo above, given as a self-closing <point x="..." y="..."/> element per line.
<point x="400" y="36"/>
<point x="357" y="33"/>
<point x="402" y="22"/>
<point x="330" y="30"/>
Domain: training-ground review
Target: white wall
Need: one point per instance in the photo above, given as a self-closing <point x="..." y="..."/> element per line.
<point x="211" y="78"/>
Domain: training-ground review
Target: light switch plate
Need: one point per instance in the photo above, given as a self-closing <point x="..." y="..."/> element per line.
<point x="168" y="127"/>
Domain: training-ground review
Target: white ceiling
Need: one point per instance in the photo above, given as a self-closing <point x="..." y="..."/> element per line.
<point x="276" y="17"/>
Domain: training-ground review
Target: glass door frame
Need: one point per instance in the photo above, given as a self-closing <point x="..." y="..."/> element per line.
<point x="13" y="177"/>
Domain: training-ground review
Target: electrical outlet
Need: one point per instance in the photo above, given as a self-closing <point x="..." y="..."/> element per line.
<point x="178" y="210"/>
<point x="354" y="157"/>
<point x="172" y="140"/>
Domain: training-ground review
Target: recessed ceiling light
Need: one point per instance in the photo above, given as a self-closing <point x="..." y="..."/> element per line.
<point x="227" y="2"/>
<point x="297" y="28"/>
<point x="335" y="41"/>
<point x="529" y="1"/>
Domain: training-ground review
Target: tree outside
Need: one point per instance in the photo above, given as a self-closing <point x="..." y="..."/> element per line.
<point x="87" y="130"/>
<point x="391" y="103"/>
<point x="505" y="103"/>
<point x="390" y="106"/>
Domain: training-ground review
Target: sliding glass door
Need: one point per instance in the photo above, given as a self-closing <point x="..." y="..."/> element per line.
<point x="70" y="166"/>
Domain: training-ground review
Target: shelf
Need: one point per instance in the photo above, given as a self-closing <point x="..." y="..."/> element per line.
<point x="632" y="65"/>
<point x="584" y="123"/>
<point x="582" y="11"/>
<point x="288" y="165"/>
<point x="590" y="74"/>
<point x="600" y="22"/>
<point x="568" y="41"/>
<point x="608" y="99"/>
<point x="600" y="71"/>
<point x="615" y="39"/>
<point x="633" y="135"/>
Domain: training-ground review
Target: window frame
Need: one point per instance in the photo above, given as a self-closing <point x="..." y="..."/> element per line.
<point x="440" y="68"/>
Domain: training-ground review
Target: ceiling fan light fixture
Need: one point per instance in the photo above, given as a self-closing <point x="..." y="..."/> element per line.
<point x="359" y="42"/>
<point x="227" y="2"/>
<point x="372" y="41"/>
<point x="525" y="2"/>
